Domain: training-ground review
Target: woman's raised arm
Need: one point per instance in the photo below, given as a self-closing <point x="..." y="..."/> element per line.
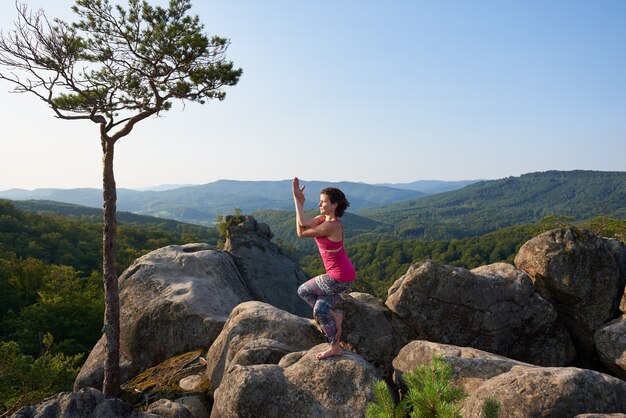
<point x="302" y="221"/>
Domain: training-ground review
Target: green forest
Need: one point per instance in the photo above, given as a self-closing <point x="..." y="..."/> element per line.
<point x="51" y="298"/>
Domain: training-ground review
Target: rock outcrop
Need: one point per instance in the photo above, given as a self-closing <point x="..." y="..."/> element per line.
<point x="491" y="324"/>
<point x="549" y="392"/>
<point x="269" y="274"/>
<point x="86" y="403"/>
<point x="611" y="345"/>
<point x="493" y="308"/>
<point x="575" y="271"/>
<point x="371" y="330"/>
<point x="256" y="330"/>
<point x="173" y="300"/>
<point x="470" y="367"/>
<point x="337" y="387"/>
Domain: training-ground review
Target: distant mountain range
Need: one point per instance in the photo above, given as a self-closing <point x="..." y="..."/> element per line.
<point x="490" y="205"/>
<point x="377" y="210"/>
<point x="202" y="203"/>
<point x="432" y="186"/>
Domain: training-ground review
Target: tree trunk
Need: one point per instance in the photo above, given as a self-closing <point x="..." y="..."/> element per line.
<point x="111" y="383"/>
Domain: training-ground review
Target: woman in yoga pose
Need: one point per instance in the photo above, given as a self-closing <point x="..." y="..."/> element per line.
<point x="322" y="292"/>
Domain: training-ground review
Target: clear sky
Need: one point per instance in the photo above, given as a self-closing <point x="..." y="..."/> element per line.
<point x="365" y="91"/>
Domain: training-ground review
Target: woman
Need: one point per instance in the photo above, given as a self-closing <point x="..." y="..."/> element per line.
<point x="322" y="292"/>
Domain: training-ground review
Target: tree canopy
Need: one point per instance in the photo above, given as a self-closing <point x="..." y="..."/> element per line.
<point x="116" y="66"/>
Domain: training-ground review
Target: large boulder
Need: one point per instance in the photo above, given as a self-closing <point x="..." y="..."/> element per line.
<point x="270" y="275"/>
<point x="493" y="308"/>
<point x="258" y="332"/>
<point x="371" y="330"/>
<point x="575" y="271"/>
<point x="173" y="300"/>
<point x="549" y="392"/>
<point x="618" y="249"/>
<point x="86" y="403"/>
<point x="470" y="366"/>
<point x="337" y="387"/>
<point x="611" y="345"/>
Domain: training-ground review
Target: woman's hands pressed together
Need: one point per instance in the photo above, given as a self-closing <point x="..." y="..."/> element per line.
<point x="298" y="193"/>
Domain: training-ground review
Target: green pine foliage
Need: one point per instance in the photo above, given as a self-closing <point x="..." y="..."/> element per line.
<point x="385" y="406"/>
<point x="223" y="223"/>
<point x="491" y="408"/>
<point x="429" y="394"/>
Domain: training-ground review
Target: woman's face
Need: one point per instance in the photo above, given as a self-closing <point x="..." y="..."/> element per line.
<point x="326" y="208"/>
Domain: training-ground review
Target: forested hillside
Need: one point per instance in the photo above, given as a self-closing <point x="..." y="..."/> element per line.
<point x="51" y="297"/>
<point x="76" y="239"/>
<point x="475" y="210"/>
<point x="202" y="203"/>
<point x="490" y="205"/>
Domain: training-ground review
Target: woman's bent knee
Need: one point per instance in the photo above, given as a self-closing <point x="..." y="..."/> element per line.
<point x="303" y="291"/>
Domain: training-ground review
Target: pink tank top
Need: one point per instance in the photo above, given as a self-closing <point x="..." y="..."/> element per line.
<point x="337" y="264"/>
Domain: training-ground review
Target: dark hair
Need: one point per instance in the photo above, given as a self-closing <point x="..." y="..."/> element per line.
<point x="336" y="196"/>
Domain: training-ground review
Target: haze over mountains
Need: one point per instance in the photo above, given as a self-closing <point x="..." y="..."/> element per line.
<point x="377" y="210"/>
<point x="202" y="203"/>
<point x="432" y="186"/>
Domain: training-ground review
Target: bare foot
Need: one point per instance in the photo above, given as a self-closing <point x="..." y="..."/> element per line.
<point x="338" y="321"/>
<point x="334" y="350"/>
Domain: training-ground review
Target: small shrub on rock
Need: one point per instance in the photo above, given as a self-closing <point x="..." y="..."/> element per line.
<point x="430" y="393"/>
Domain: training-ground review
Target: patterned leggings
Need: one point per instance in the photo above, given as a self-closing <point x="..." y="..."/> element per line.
<point x="321" y="293"/>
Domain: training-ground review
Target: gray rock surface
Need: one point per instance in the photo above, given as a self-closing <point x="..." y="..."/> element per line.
<point x="86" y="403"/>
<point x="252" y="322"/>
<point x="611" y="345"/>
<point x="371" y="330"/>
<point x="261" y="351"/>
<point x="169" y="409"/>
<point x="269" y="274"/>
<point x="575" y="271"/>
<point x="618" y="249"/>
<point x="173" y="300"/>
<point x="549" y="392"/>
<point x="493" y="308"/>
<point x="470" y="367"/>
<point x="196" y="405"/>
<point x="336" y="387"/>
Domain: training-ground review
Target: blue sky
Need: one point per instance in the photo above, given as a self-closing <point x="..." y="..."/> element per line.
<point x="362" y="91"/>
